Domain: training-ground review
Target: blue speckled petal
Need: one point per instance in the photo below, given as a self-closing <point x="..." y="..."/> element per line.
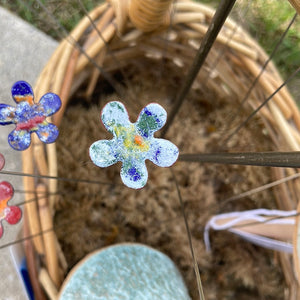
<point x="134" y="173"/>
<point x="103" y="154"/>
<point x="114" y="114"/>
<point x="19" y="139"/>
<point x="22" y="91"/>
<point x="50" y="103"/>
<point x="162" y="152"/>
<point x="7" y="114"/>
<point x="152" y="118"/>
<point x="47" y="133"/>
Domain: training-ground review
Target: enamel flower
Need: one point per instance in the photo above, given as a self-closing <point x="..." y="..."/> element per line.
<point x="133" y="143"/>
<point x="29" y="116"/>
<point x="12" y="214"/>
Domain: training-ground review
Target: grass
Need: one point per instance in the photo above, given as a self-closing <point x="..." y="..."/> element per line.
<point x="265" y="19"/>
<point x="67" y="12"/>
<point x="267" y="25"/>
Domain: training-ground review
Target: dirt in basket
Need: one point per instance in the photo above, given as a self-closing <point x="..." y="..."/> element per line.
<point x="91" y="216"/>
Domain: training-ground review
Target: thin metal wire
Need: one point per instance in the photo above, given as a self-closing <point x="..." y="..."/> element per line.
<point x="196" y="267"/>
<point x="259" y="189"/>
<point x="229" y="39"/>
<point x="254" y="223"/>
<point x="261" y="106"/>
<point x="42" y="195"/>
<point x="40" y="233"/>
<point x="98" y="182"/>
<point x="26" y="238"/>
<point x="57" y="178"/>
<point x="214" y="28"/>
<point x="247" y="95"/>
<point x="220" y="205"/>
<point x="86" y="13"/>
<point x="31" y="200"/>
<point x="116" y="85"/>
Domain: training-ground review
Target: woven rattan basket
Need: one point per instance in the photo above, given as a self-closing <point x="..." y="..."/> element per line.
<point x="134" y="29"/>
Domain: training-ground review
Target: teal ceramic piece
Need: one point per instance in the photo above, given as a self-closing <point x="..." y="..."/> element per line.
<point x="133" y="143"/>
<point x="127" y="272"/>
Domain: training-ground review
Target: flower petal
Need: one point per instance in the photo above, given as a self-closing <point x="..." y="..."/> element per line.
<point x="134" y="174"/>
<point x="50" y="103"/>
<point x="22" y="91"/>
<point x="6" y="191"/>
<point x="152" y="118"/>
<point x="13" y="214"/>
<point x="103" y="154"/>
<point x="19" y="139"/>
<point x="7" y="114"/>
<point x="47" y="133"/>
<point x="162" y="152"/>
<point x="114" y="114"/>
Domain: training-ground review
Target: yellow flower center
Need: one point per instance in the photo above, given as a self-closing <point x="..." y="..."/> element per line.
<point x="131" y="140"/>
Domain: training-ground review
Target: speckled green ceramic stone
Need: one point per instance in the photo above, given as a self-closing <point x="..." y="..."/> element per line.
<point x="127" y="272"/>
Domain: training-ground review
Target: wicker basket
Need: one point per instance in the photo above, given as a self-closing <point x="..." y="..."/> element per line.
<point x="131" y="29"/>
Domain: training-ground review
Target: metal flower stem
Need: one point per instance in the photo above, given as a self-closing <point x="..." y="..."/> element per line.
<point x="271" y="159"/>
<point x="213" y="30"/>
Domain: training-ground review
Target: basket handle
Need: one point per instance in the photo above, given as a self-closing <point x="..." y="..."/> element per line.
<point x="296" y="5"/>
<point x="149" y="15"/>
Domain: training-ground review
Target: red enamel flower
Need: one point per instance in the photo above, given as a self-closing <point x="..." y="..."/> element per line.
<point x="12" y="214"/>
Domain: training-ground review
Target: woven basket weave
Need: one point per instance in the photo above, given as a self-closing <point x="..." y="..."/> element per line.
<point x="132" y="29"/>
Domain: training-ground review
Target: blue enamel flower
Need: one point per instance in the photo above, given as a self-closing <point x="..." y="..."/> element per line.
<point x="133" y="143"/>
<point x="29" y="116"/>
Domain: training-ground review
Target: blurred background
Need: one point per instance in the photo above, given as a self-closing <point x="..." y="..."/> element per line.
<point x="266" y="20"/>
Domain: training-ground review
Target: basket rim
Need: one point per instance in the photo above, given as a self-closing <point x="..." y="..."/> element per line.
<point x="67" y="67"/>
